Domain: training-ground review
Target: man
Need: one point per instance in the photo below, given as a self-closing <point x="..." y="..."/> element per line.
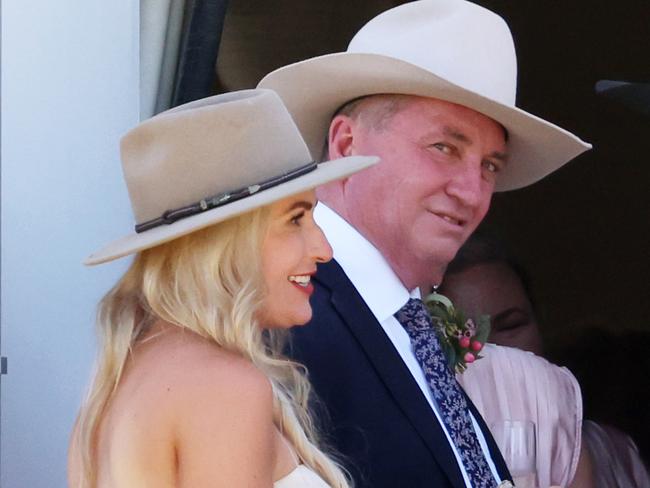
<point x="428" y="86"/>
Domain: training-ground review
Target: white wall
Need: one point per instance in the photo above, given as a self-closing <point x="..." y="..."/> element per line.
<point x="69" y="90"/>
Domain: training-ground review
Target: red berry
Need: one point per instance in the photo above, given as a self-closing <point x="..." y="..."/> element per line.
<point x="469" y="357"/>
<point x="464" y="342"/>
<point x="477" y="346"/>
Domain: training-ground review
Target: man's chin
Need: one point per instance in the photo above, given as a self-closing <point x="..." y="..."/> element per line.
<point x="428" y="263"/>
<point x="440" y="250"/>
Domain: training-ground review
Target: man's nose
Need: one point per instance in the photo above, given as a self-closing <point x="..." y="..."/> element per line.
<point x="466" y="184"/>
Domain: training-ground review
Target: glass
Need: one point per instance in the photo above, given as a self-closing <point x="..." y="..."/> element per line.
<point x="516" y="440"/>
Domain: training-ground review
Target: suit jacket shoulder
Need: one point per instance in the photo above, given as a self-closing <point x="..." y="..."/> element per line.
<point x="378" y="417"/>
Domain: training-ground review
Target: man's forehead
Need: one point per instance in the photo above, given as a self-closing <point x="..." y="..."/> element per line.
<point x="377" y="110"/>
<point x="451" y="116"/>
<point x="407" y="100"/>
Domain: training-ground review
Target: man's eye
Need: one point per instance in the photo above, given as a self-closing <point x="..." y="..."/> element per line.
<point x="442" y="147"/>
<point x="491" y="167"/>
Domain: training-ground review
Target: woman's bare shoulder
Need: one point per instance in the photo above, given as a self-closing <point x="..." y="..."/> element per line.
<point x="177" y="369"/>
<point x="213" y="405"/>
<point x="222" y="408"/>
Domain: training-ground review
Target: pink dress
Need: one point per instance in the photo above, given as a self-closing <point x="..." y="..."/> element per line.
<point x="511" y="384"/>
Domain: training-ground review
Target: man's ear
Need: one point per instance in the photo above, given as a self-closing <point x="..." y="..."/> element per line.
<point x="341" y="137"/>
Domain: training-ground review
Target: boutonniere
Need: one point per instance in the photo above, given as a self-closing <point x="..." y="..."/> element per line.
<point x="461" y="338"/>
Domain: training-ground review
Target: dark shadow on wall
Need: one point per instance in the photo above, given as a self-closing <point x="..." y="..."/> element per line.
<point x="612" y="369"/>
<point x="584" y="231"/>
<point x="262" y="35"/>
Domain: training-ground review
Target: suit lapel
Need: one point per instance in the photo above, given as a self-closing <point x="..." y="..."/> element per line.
<point x="495" y="453"/>
<point x="389" y="366"/>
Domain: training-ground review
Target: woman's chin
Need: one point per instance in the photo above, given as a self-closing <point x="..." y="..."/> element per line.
<point x="300" y="320"/>
<point x="287" y="321"/>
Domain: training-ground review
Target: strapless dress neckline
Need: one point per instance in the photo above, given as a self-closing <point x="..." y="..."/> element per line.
<point x="301" y="477"/>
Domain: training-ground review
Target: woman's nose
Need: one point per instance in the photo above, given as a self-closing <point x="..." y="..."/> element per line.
<point x="321" y="250"/>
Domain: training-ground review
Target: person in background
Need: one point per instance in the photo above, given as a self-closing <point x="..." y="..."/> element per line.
<point x="429" y="87"/>
<point x="191" y="388"/>
<point x="485" y="279"/>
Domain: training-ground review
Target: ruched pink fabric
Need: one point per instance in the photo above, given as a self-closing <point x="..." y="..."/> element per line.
<point x="511" y="384"/>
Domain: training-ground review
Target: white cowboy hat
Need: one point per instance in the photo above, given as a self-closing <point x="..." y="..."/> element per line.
<point x="212" y="159"/>
<point x="452" y="50"/>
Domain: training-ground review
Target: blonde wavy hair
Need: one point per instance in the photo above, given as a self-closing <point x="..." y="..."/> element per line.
<point x="210" y="283"/>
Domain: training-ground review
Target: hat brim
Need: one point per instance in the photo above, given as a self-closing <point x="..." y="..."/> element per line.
<point x="324" y="173"/>
<point x="315" y="88"/>
<point x="633" y="96"/>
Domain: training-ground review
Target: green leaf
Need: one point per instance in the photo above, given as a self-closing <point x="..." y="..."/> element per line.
<point x="482" y="328"/>
<point x="449" y="322"/>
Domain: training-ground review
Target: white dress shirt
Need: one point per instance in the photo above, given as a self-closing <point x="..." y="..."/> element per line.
<point x="384" y="294"/>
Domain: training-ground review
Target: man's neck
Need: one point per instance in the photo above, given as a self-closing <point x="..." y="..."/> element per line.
<point x="411" y="272"/>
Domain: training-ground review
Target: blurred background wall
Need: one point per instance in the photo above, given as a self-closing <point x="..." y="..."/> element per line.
<point x="69" y="90"/>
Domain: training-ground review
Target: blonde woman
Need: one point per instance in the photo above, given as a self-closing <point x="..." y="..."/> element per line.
<point x="191" y="388"/>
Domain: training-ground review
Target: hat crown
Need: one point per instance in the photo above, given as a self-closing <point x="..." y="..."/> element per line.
<point x="450" y="50"/>
<point x="208" y="147"/>
<point x="457" y="40"/>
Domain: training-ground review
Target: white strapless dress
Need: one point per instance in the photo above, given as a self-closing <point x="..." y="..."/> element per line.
<point x="301" y="477"/>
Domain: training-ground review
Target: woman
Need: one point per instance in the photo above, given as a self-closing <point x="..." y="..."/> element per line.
<point x="191" y="388"/>
<point x="510" y="384"/>
<point x="484" y="278"/>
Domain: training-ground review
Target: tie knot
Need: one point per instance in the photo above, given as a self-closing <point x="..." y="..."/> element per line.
<point x="414" y="316"/>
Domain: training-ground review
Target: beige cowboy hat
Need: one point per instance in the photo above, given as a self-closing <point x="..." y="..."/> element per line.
<point x="452" y="50"/>
<point x="210" y="160"/>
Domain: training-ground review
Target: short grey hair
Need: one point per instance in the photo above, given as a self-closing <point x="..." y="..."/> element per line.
<point x="374" y="111"/>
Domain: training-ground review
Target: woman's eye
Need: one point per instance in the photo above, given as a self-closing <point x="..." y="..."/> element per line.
<point x="297" y="218"/>
<point x="510" y="326"/>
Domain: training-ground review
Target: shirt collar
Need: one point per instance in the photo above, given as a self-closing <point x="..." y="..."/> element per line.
<point x="364" y="265"/>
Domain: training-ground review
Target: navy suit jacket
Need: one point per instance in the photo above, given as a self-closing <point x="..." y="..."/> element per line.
<point x="377" y="417"/>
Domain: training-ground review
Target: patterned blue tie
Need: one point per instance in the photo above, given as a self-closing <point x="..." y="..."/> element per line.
<point x="446" y="391"/>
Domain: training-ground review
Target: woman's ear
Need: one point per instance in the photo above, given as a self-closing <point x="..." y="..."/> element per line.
<point x="341" y="137"/>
